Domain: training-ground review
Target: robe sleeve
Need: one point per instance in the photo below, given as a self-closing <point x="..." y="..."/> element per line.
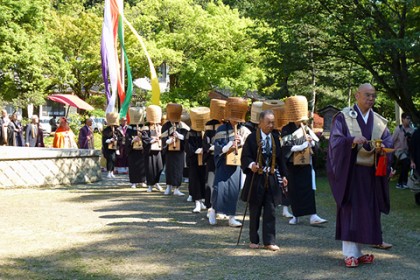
<point x="146" y="138"/>
<point x="281" y="160"/>
<point x="340" y="158"/>
<point x="249" y="153"/>
<point x="165" y="131"/>
<point x="129" y="135"/>
<point x="382" y="185"/>
<point x="83" y="137"/>
<point x="219" y="142"/>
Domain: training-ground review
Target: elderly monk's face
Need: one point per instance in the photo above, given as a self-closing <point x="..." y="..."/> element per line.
<point x="267" y="123"/>
<point x="365" y="97"/>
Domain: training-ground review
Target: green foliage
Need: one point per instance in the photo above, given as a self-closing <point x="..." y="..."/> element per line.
<point x="203" y="47"/>
<point x="77" y="34"/>
<point x="98" y="101"/>
<point x="76" y="122"/>
<point x="320" y="155"/>
<point x="97" y="140"/>
<point x="329" y="47"/>
<point x="25" y="58"/>
<point x="321" y="49"/>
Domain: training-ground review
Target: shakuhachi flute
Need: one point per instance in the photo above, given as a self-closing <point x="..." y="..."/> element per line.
<point x="155" y="127"/>
<point x="174" y="130"/>
<point x="158" y="134"/>
<point x="235" y="132"/>
<point x="139" y="144"/>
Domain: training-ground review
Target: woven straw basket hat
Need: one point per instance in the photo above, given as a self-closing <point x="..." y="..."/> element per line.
<point x="136" y="115"/>
<point x="199" y="117"/>
<point x="270" y="104"/>
<point x="112" y="118"/>
<point x="236" y="108"/>
<point x="173" y="112"/>
<point x="256" y="109"/>
<point x="217" y="109"/>
<point x="280" y="117"/>
<point x="154" y="114"/>
<point x="297" y="108"/>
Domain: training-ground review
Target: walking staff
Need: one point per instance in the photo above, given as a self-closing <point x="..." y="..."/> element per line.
<point x="264" y="188"/>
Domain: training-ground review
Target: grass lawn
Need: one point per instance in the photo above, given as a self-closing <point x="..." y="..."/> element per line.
<point x="111" y="231"/>
<point x="404" y="217"/>
<point x="48" y="141"/>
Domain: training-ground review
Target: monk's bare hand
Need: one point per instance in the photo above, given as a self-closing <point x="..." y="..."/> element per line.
<point x="359" y="140"/>
<point x="379" y="149"/>
<point x="255" y="167"/>
<point x="285" y="182"/>
<point x="238" y="139"/>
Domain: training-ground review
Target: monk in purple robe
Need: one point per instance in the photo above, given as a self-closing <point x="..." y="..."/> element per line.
<point x="360" y="196"/>
<point x="86" y="135"/>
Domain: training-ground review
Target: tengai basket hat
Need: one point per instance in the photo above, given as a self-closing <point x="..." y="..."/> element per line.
<point x="280" y="117"/>
<point x="173" y="112"/>
<point x="154" y="114"/>
<point x="217" y="109"/>
<point x="270" y="104"/>
<point x="236" y="108"/>
<point x="256" y="109"/>
<point x="297" y="108"/>
<point x="112" y="118"/>
<point x="199" y="116"/>
<point x="136" y="115"/>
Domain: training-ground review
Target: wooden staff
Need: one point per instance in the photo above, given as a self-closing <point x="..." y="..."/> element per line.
<point x="250" y="191"/>
<point x="157" y="130"/>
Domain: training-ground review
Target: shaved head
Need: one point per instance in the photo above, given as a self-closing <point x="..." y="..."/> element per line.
<point x="365" y="88"/>
<point x="365" y="97"/>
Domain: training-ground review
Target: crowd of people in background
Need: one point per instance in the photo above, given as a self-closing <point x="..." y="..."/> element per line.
<point x="266" y="161"/>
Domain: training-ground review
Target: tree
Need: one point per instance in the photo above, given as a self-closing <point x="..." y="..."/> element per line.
<point x="204" y="47"/>
<point x="77" y="36"/>
<point x="26" y="60"/>
<point x="349" y="42"/>
<point x="381" y="37"/>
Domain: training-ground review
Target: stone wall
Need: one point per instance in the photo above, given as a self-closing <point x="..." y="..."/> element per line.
<point x="44" y="167"/>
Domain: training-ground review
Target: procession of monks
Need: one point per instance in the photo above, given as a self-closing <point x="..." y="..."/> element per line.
<point x="266" y="161"/>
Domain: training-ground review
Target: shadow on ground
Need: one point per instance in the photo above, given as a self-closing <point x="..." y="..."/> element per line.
<point x="152" y="236"/>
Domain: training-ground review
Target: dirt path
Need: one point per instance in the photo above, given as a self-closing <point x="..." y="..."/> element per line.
<point x="110" y="231"/>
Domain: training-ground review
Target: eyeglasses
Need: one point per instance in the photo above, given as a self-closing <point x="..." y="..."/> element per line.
<point x="370" y="95"/>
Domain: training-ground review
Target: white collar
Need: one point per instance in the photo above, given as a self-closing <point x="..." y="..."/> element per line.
<point x="366" y="116"/>
<point x="263" y="135"/>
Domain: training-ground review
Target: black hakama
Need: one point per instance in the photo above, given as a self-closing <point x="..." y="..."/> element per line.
<point x="137" y="159"/>
<point x="197" y="173"/>
<point x="301" y="193"/>
<point x="174" y="159"/>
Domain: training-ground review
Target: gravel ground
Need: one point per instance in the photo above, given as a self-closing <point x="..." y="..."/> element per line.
<point x="109" y="231"/>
